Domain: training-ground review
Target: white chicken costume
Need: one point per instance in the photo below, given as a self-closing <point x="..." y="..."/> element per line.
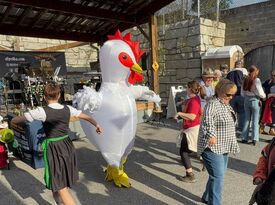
<point x="114" y="106"/>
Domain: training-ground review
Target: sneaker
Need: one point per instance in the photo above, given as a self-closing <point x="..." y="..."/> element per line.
<point x="244" y="141"/>
<point x="254" y="142"/>
<point x="189" y="178"/>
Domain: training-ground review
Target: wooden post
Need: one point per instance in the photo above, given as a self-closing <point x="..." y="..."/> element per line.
<point x="154" y="53"/>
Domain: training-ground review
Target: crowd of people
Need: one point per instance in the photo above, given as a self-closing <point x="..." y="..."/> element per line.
<point x="220" y="106"/>
<point x="224" y="105"/>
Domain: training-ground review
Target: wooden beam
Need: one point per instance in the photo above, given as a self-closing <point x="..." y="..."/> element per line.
<point x="63" y="46"/>
<point x="24" y="15"/>
<point x="52" y="34"/>
<point x="7" y="12"/>
<point x="71" y="8"/>
<point x="154" y="52"/>
<point x="143" y="32"/>
<point x="50" y="23"/>
<point x="38" y="17"/>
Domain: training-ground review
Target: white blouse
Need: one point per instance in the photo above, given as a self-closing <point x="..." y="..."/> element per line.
<point x="39" y="113"/>
<point x="256" y="90"/>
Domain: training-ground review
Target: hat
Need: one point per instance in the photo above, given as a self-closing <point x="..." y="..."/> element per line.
<point x="208" y="72"/>
<point x="6" y="135"/>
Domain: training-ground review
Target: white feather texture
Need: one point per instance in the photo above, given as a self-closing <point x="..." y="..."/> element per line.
<point x="114" y="106"/>
<point x="87" y="99"/>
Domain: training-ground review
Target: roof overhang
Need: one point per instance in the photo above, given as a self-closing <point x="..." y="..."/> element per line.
<point x="80" y="20"/>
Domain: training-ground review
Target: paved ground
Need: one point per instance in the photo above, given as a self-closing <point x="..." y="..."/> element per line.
<point x="153" y="167"/>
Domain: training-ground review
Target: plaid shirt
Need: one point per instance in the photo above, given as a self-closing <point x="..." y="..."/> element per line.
<point x="218" y="121"/>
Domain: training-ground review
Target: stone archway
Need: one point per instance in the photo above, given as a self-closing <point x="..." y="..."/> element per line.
<point x="264" y="58"/>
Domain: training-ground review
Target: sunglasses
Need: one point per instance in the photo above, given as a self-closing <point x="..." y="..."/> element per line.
<point x="229" y="95"/>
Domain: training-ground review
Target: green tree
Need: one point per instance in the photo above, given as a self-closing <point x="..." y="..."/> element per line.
<point x="209" y="7"/>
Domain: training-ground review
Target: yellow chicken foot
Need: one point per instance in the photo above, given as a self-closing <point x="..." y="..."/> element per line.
<point x="117" y="175"/>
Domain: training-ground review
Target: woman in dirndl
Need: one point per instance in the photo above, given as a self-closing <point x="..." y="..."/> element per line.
<point x="61" y="170"/>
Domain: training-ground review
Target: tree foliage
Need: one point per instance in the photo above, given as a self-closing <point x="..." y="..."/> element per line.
<point x="210" y="6"/>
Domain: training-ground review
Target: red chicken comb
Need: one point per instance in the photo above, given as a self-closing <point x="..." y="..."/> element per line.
<point x="134" y="45"/>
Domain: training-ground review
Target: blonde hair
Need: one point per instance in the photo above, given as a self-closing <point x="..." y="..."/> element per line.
<point x="224" y="86"/>
<point x="217" y="73"/>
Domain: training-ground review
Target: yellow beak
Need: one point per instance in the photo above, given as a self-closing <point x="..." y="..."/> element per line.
<point x="136" y="68"/>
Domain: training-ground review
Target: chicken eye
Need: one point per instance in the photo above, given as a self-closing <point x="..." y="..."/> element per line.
<point x="125" y="59"/>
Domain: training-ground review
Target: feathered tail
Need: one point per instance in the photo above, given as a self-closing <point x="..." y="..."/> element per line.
<point x="87" y="99"/>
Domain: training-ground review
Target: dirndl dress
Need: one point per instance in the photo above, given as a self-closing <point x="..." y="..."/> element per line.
<point x="60" y="158"/>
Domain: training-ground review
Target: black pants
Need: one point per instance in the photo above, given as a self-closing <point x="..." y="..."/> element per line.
<point x="184" y="152"/>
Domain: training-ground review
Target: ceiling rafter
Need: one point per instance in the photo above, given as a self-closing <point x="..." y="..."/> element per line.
<point x="38" y="17"/>
<point x="51" y="22"/>
<point x="78" y="20"/>
<point x="7" y="12"/>
<point x="37" y="32"/>
<point x="76" y="9"/>
<point x="78" y="23"/>
<point x="24" y="15"/>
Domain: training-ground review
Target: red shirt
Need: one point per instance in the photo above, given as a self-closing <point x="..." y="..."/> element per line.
<point x="193" y="105"/>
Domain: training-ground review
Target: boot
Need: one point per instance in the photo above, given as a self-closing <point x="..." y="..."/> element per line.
<point x="188" y="178"/>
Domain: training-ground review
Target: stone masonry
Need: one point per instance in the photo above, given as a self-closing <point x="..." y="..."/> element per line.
<point x="180" y="46"/>
<point x="179" y="53"/>
<point x="250" y="26"/>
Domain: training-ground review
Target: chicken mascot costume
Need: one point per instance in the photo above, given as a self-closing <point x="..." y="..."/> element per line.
<point x="114" y="106"/>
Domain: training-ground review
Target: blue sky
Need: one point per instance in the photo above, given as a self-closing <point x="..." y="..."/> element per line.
<point x="238" y="3"/>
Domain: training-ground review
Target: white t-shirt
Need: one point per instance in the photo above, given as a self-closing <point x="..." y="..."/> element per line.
<point x="39" y="112"/>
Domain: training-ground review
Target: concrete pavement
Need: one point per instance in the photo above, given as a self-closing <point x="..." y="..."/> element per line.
<point x="152" y="166"/>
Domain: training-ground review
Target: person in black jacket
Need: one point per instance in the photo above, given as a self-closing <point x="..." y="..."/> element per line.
<point x="237" y="75"/>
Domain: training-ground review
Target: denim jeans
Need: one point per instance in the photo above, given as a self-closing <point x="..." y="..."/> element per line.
<point x="237" y="103"/>
<point x="216" y="165"/>
<point x="252" y="115"/>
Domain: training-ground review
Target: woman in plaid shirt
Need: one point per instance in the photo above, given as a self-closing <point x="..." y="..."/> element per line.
<point x="217" y="138"/>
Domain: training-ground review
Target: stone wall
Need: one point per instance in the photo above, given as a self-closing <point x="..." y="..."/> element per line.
<point x="250" y="26"/>
<point x="180" y="48"/>
<point x="75" y="57"/>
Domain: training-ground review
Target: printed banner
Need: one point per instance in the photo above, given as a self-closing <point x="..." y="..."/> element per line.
<point x="10" y="61"/>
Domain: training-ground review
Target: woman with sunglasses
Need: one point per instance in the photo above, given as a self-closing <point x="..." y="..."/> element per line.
<point x="191" y="115"/>
<point x="217" y="138"/>
<point x="252" y="91"/>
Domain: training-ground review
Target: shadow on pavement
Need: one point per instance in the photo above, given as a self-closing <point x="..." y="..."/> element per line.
<point x="139" y="162"/>
<point x="26" y="185"/>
